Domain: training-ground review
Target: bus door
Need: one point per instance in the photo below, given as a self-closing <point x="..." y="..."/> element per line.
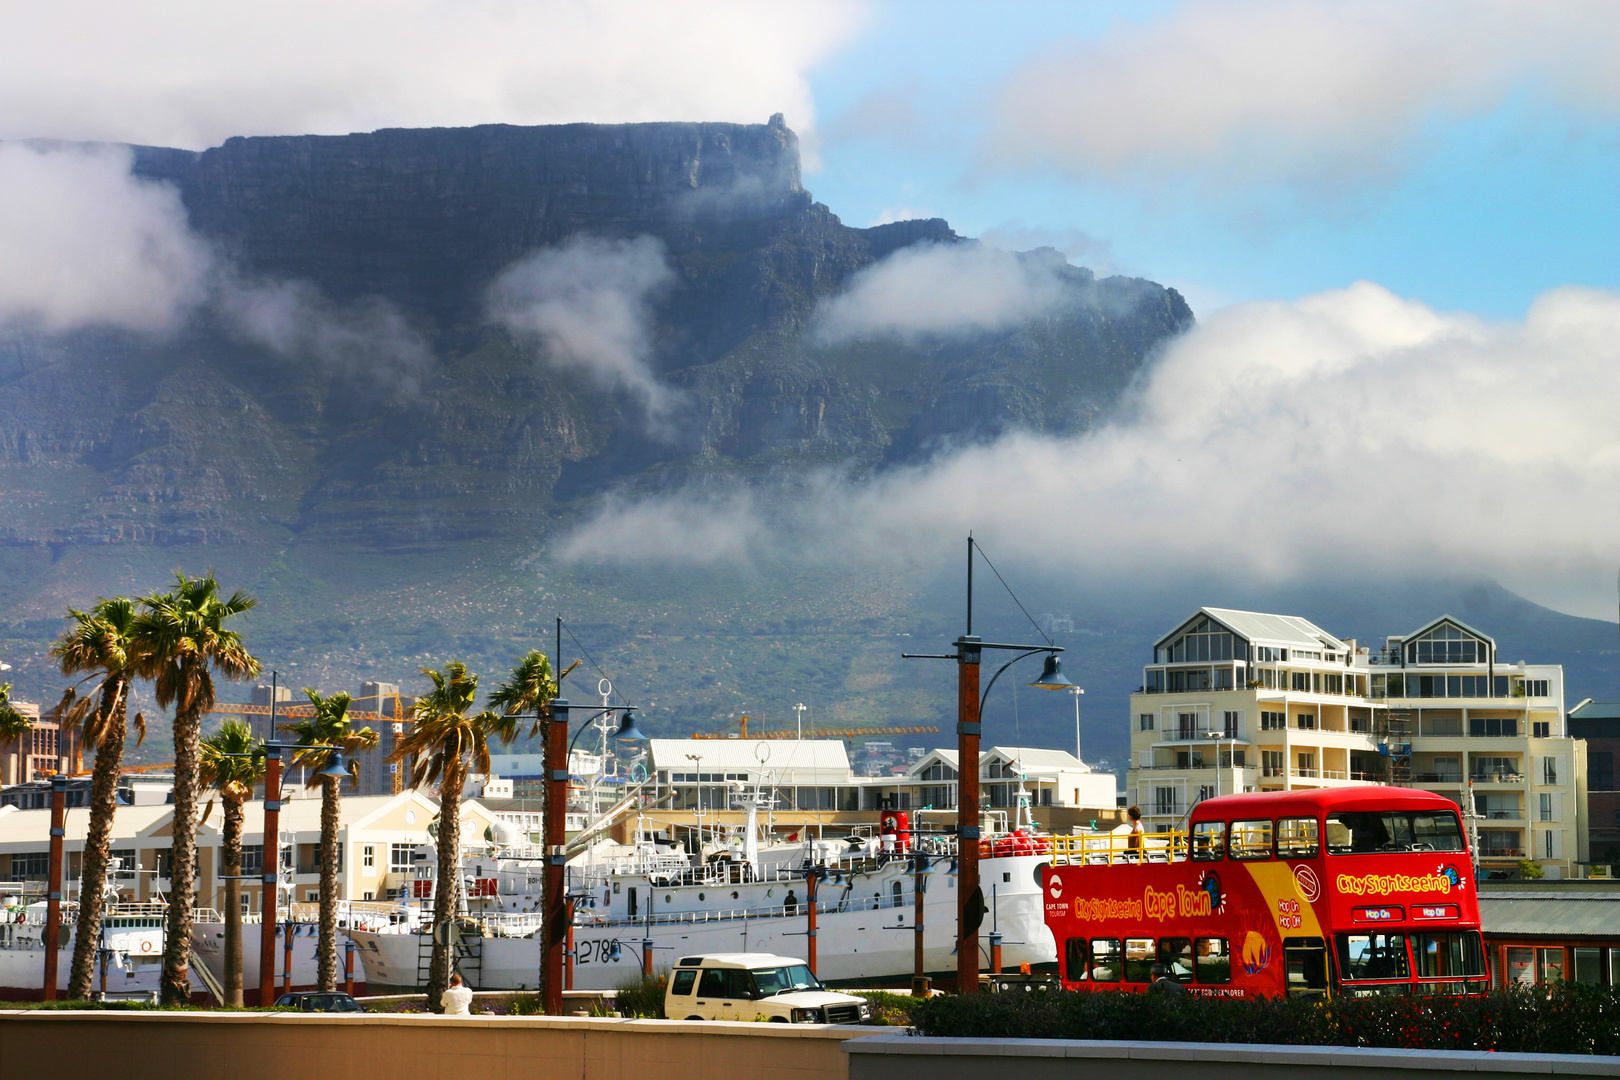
<point x="1305" y="960"/>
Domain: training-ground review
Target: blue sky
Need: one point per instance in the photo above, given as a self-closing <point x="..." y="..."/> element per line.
<point x="1481" y="210"/>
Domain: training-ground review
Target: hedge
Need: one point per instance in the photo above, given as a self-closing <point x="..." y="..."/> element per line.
<point x="1567" y="1018"/>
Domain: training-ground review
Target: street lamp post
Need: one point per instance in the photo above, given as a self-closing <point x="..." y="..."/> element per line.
<point x="1219" y="737"/>
<point x="554" y="902"/>
<point x="970" y="907"/>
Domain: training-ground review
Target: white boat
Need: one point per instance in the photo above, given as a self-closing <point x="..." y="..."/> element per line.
<point x="740" y="897"/>
<point x="129" y="959"/>
<point x="302" y="928"/>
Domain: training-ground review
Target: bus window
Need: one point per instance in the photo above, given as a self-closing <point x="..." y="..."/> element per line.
<point x="1451" y="955"/>
<point x="1211" y="960"/>
<point x="1208" y="840"/>
<point x="1251" y="839"/>
<point x="1074" y="959"/>
<point x="1305" y="960"/>
<point x="1296" y="838"/>
<point x="1105" y="959"/>
<point x="684" y="981"/>
<point x="1176" y="954"/>
<point x="1139" y="960"/>
<point x="1373" y="956"/>
<point x="1394" y="830"/>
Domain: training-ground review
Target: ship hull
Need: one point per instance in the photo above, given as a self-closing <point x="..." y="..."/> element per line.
<point x="208" y="941"/>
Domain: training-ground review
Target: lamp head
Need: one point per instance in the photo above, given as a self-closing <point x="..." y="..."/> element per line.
<point x="628" y="731"/>
<point x="1052" y="677"/>
<point x="335" y="766"/>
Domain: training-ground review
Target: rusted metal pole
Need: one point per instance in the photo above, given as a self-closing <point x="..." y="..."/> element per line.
<point x="270" y="857"/>
<point x="919" y="863"/>
<point x="53" y="895"/>
<point x="287" y="952"/>
<point x="568" y="967"/>
<point x="969" y="896"/>
<point x="348" y="968"/>
<point x="810" y="938"/>
<point x="554" y="920"/>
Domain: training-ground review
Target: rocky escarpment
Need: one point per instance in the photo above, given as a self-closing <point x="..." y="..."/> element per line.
<point x="209" y="436"/>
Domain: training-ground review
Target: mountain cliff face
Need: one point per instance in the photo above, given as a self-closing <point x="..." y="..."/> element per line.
<point x="214" y="435"/>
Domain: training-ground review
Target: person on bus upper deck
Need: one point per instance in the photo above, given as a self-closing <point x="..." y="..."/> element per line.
<point x="1133" y="842"/>
<point x="1164" y="984"/>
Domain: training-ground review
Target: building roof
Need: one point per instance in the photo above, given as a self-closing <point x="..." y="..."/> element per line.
<point x="1260" y="626"/>
<point x="1035" y="757"/>
<point x="1453" y="620"/>
<point x="1559" y="914"/>
<point x="1596" y="710"/>
<point x="744" y="755"/>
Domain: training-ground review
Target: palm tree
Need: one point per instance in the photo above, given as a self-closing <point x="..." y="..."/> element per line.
<point x="231" y="762"/>
<point x="444" y="743"/>
<point x="102" y="641"/>
<point x="13" y="724"/>
<point x="329" y="728"/>
<point x="189" y="642"/>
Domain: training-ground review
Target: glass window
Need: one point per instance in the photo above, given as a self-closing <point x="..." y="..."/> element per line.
<point x="1451" y="955"/>
<point x="1373" y="956"/>
<point x="1208" y="840"/>
<point x="779" y="980"/>
<point x="1139" y="954"/>
<point x="1211" y="961"/>
<point x="1176" y="954"/>
<point x="1521" y="966"/>
<point x="1551" y="963"/>
<point x="1297" y="838"/>
<point x="1372" y="831"/>
<point x="1074" y="959"/>
<point x="1251" y="839"/>
<point x="1105" y="956"/>
<point x="1589" y="965"/>
<point x="684" y="981"/>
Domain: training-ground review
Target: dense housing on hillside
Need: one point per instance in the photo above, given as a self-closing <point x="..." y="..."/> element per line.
<point x="1247" y="701"/>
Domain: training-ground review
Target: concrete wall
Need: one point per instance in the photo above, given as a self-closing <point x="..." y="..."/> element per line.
<point x="899" y="1057"/>
<point x="207" y="1046"/>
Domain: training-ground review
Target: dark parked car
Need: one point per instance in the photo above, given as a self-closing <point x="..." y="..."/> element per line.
<point x="309" y="1001"/>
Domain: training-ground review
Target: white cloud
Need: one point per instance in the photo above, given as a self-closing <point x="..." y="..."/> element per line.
<point x="941" y="289"/>
<point x="367" y="340"/>
<point x="83" y="243"/>
<point x="194" y="72"/>
<point x="1312" y="90"/>
<point x="1346" y="435"/>
<point x="587" y="303"/>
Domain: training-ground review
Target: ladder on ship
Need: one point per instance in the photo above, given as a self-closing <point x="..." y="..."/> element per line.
<point x="1396" y="746"/>
<point x="466" y="957"/>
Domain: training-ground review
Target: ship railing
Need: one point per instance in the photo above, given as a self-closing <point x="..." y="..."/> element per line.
<point x="1117" y="849"/>
<point x="801" y="908"/>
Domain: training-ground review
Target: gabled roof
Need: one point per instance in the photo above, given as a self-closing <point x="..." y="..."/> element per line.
<point x="740" y="755"/>
<point x="1260" y="626"/>
<point x="1458" y="623"/>
<point x="948" y="758"/>
<point x="1034" y="757"/>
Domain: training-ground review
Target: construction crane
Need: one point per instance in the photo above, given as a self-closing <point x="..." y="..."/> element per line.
<point x="831" y="732"/>
<point x="287" y="710"/>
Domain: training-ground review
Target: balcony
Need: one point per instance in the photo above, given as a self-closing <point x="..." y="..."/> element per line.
<point x="1496" y="778"/>
<point x="1438" y="777"/>
<point x="1501" y="853"/>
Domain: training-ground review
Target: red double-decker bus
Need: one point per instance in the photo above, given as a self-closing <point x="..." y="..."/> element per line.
<point x="1366" y="890"/>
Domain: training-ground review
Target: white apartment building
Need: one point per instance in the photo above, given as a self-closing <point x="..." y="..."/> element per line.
<point x="1247" y="701"/>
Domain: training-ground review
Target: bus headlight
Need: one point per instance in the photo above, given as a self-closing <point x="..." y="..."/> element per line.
<point x="807" y="1016"/>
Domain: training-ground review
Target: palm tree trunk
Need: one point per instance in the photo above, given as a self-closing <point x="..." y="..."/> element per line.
<point x="232" y="858"/>
<point x="331" y="796"/>
<point x="445" y="889"/>
<point x="103" y="802"/>
<point x="183" y="857"/>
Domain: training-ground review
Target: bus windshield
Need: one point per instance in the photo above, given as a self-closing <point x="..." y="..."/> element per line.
<point x="1393" y="830"/>
<point x="780" y="980"/>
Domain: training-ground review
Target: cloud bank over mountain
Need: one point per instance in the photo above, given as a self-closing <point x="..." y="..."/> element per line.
<point x="189" y="73"/>
<point x="83" y="243"/>
<point x="1350" y="433"/>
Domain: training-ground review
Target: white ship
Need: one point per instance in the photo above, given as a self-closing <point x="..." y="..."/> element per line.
<point x="129" y="958"/>
<point x="738" y="897"/>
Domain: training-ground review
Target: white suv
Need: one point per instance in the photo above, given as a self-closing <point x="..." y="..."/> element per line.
<point x="751" y="986"/>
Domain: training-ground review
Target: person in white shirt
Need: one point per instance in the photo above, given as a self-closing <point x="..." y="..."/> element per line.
<point x="456" y="998"/>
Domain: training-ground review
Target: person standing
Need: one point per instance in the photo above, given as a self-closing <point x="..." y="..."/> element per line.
<point x="456" y="998"/>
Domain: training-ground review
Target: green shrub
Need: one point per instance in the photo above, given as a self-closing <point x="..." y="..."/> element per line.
<point x="643" y="997"/>
<point x="1567" y="1018"/>
<point x="888" y="1009"/>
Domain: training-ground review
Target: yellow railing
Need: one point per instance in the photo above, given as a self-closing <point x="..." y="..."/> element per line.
<point x="1111" y="849"/>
